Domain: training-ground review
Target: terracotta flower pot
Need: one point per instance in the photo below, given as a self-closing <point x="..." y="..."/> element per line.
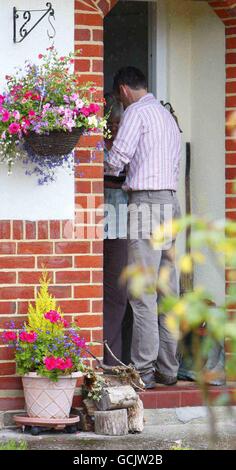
<point x="47" y="399"/>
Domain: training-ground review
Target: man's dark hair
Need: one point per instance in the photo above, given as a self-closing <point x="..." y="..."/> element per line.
<point x="130" y="76"/>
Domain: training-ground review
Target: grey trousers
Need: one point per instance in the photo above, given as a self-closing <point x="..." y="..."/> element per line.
<point x="153" y="346"/>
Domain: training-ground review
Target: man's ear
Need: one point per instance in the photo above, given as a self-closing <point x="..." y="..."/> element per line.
<point x="123" y="90"/>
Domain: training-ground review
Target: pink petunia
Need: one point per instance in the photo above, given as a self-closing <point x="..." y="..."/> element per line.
<point x="14" y="128"/>
<point x="93" y="108"/>
<point x="5" y="115"/>
<point x="2" y="99"/>
<point x="85" y="111"/>
<point x="31" y="113"/>
<point x="30" y="337"/>
<point x="9" y="335"/>
<point x="53" y="316"/>
<point x="50" y="363"/>
<point x="40" y="56"/>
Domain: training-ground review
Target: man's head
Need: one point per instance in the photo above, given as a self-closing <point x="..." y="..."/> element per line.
<point x="129" y="85"/>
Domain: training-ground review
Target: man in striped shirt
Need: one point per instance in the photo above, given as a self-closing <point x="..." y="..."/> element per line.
<point x="148" y="145"/>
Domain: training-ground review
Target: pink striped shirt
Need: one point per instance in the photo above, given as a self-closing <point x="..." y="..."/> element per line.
<point x="149" y="142"/>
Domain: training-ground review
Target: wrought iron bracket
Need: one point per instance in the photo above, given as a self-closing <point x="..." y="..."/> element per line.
<point x="20" y="33"/>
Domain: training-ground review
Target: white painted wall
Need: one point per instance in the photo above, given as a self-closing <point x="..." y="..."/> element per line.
<point x="20" y="196"/>
<point x="195" y="54"/>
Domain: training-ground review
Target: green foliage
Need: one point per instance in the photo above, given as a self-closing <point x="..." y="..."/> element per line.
<point x="13" y="445"/>
<point x="44" y="302"/>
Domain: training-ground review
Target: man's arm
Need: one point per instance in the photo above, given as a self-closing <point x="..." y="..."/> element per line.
<point x="125" y="143"/>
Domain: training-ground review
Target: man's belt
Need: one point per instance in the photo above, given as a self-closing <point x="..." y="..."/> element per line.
<point x="114" y="179"/>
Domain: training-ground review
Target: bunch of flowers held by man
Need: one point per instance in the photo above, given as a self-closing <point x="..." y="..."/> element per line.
<point x="46" y="345"/>
<point x="45" y="97"/>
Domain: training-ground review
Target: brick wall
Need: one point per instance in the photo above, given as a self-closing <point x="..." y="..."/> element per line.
<point x="74" y="261"/>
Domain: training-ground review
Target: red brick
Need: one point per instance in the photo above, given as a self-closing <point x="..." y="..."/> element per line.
<point x="231" y="215"/>
<point x="7" y="308"/>
<point x="97" y="306"/>
<point x="230" y="101"/>
<point x="77" y="401"/>
<point x="30" y="230"/>
<point x="97" y="335"/>
<point x="97" y="247"/>
<point x="17" y="229"/>
<point x="98" y="35"/>
<point x="231" y="203"/>
<point x="230" y="173"/>
<point x="54" y="229"/>
<point x="82" y="65"/>
<point x="7" y="368"/>
<point x="230" y="22"/>
<point x="60" y="292"/>
<point x="97" y="350"/>
<point x="5" y="229"/>
<point x="7" y="354"/>
<point x="68" y="229"/>
<point x="231" y="43"/>
<point x="89" y="171"/>
<point x="7" y="248"/>
<point x="10" y="383"/>
<point x="16" y="293"/>
<point x="73" y="247"/>
<point x="231" y="159"/>
<point x="230" y="30"/>
<point x="231" y="86"/>
<point x="75" y="306"/>
<point x="35" y="248"/>
<point x="193" y="398"/>
<point x="22" y="307"/>
<point x="82" y="34"/>
<point x="98" y="187"/>
<point x="7" y="278"/>
<point x="87" y="292"/>
<point x="93" y="50"/>
<point x="89" y="321"/>
<point x="230" y="72"/>
<point x="222" y="13"/>
<point x="32" y="277"/>
<point x="15" y="262"/>
<point x="42" y="230"/>
<point x="82" y="186"/>
<point x="95" y="80"/>
<point x="88" y="141"/>
<point x="104" y="6"/>
<point x="88" y="19"/>
<point x="97" y="66"/>
<point x="13" y="403"/>
<point x="73" y="277"/>
<point x="81" y="6"/>
<point x="88" y="261"/>
<point x="230" y="188"/>
<point x="97" y="277"/>
<point x="59" y="262"/>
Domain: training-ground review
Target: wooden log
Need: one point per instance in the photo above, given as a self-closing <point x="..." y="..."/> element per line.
<point x="135" y="417"/>
<point x="113" y="398"/>
<point x="90" y="406"/>
<point x="111" y="423"/>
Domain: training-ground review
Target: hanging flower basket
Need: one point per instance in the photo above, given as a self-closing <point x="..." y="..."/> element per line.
<point x="55" y="143"/>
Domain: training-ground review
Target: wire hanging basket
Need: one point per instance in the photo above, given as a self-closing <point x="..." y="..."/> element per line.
<point x="55" y="143"/>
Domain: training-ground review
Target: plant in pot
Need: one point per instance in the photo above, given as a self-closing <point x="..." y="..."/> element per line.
<point x="49" y="356"/>
<point x="43" y="112"/>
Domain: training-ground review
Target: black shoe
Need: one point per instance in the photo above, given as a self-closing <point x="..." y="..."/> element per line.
<point x="164" y="379"/>
<point x="148" y="379"/>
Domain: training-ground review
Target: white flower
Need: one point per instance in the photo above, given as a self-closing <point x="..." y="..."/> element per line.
<point x="92" y="121"/>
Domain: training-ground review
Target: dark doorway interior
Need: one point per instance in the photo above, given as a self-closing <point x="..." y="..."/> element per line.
<point x="125" y="39"/>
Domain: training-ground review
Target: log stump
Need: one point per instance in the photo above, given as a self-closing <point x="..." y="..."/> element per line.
<point x="112" y="398"/>
<point x="111" y="423"/>
<point x="135" y="417"/>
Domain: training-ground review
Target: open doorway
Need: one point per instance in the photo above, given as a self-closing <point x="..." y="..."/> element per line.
<point x="129" y="39"/>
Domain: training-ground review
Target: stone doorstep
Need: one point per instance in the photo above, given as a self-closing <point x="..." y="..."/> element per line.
<point x="156" y="417"/>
